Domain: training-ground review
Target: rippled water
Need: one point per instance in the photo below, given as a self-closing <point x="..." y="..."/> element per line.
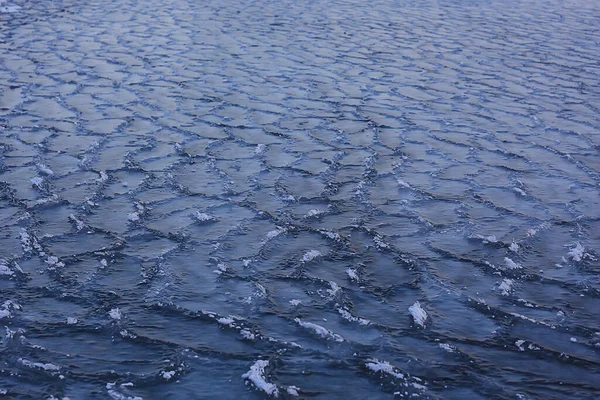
<point x="323" y="199"/>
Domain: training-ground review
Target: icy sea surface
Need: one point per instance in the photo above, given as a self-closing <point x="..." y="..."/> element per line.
<point x="300" y="199"/>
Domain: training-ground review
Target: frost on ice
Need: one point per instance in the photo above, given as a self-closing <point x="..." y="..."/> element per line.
<point x="418" y="313"/>
<point x="256" y="375"/>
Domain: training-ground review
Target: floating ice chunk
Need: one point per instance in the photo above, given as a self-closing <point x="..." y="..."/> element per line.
<point x="519" y="344"/>
<point x="204" y="217"/>
<point x="349" y="317"/>
<point x="314" y="213"/>
<point x="37" y="182"/>
<point x="403" y="184"/>
<point x="5" y="270"/>
<point x="167" y="375"/>
<point x="274" y="233"/>
<point x="78" y="223"/>
<point x="44" y="170"/>
<point x="260" y="148"/>
<point x="486" y="239"/>
<point x="115" y="313"/>
<point x="531" y="232"/>
<point x="510" y="264"/>
<point x="220" y="268"/>
<point x="513" y="247"/>
<point x="384" y="367"/>
<point x="319" y="330"/>
<point x="577" y="252"/>
<point x="37" y="365"/>
<point x="331" y="235"/>
<point x="54" y="199"/>
<point x="226" y="321"/>
<point x="72" y="320"/>
<point x="311" y="255"/>
<point x="247" y="334"/>
<point x="335" y="288"/>
<point x="103" y="177"/>
<point x="520" y="191"/>
<point x="573" y="339"/>
<point x="295" y="302"/>
<point x="133" y="217"/>
<point x="380" y="243"/>
<point x="447" y="347"/>
<point x="119" y="396"/>
<point x="506" y="286"/>
<point x="352" y="274"/>
<point x="418" y="313"/>
<point x="292" y="390"/>
<point x="256" y="375"/>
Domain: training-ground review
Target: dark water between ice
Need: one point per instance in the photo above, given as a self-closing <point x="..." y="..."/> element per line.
<point x="323" y="199"/>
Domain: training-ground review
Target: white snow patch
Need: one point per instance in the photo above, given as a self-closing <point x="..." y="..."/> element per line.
<point x="577" y="252"/>
<point x="37" y="365"/>
<point x="513" y="247"/>
<point x="418" y="313"/>
<point x="349" y="317"/>
<point x="384" y="367"/>
<point x="72" y="320"/>
<point x="380" y="243"/>
<point x="115" y="313"/>
<point x="274" y="233"/>
<point x="204" y="217"/>
<point x="314" y="213"/>
<point x="292" y="390"/>
<point x="37" y="182"/>
<point x="133" y="217"/>
<point x="486" y="239"/>
<point x="44" y="170"/>
<point x="335" y="288"/>
<point x="403" y="184"/>
<point x="352" y="274"/>
<point x="519" y="344"/>
<point x="246" y="334"/>
<point x="506" y="286"/>
<point x="260" y="148"/>
<point x="78" y="223"/>
<point x="510" y="264"/>
<point x="295" y="302"/>
<point x="319" y="330"/>
<point x="256" y="375"/>
<point x="520" y="191"/>
<point x="5" y="270"/>
<point x="332" y="235"/>
<point x="167" y="375"/>
<point x="573" y="339"/>
<point x="103" y="177"/>
<point x="311" y="255"/>
<point x="447" y="347"/>
<point x="226" y="321"/>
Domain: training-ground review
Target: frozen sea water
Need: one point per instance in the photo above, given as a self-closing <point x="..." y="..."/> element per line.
<point x="315" y="199"/>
